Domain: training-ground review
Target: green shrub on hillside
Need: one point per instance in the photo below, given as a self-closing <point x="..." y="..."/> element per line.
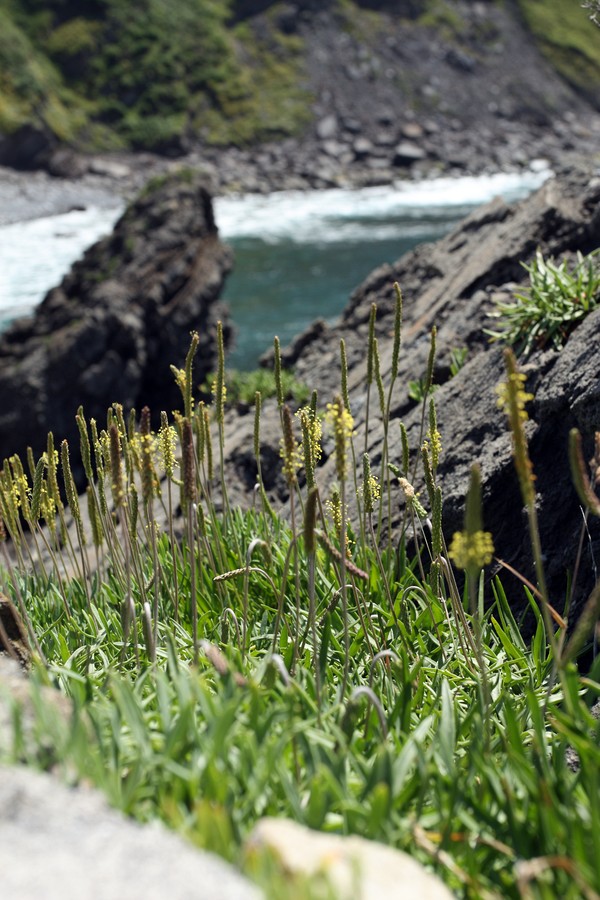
<point x="28" y="81"/>
<point x="144" y="75"/>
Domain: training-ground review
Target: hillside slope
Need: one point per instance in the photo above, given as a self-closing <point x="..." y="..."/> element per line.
<point x="172" y="75"/>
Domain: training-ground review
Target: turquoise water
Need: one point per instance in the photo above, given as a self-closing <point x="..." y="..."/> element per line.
<point x="298" y="256"/>
<point x="280" y="290"/>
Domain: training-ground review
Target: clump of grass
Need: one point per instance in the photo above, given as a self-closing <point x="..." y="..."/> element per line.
<point x="559" y="296"/>
<point x="242" y="386"/>
<point x="239" y="665"/>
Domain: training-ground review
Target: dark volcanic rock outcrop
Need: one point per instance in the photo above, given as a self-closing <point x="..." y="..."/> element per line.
<point x="452" y="284"/>
<point x="117" y="321"/>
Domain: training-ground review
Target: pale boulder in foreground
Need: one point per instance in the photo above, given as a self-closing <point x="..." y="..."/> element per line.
<point x="58" y="843"/>
<point x="357" y="869"/>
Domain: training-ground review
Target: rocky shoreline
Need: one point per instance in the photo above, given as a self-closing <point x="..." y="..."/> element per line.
<point x="334" y="156"/>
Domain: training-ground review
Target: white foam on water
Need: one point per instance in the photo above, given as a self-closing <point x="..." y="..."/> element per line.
<point x="344" y="215"/>
<point x="36" y="254"/>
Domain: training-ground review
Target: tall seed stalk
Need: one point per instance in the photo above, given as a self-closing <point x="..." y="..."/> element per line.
<point x="190" y="497"/>
<point x="342" y="425"/>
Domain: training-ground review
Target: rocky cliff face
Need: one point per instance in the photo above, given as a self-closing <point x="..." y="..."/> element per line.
<point x="124" y="313"/>
<point x="452" y="284"/>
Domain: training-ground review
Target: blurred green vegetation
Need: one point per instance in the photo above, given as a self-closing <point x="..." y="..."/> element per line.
<point x="111" y="75"/>
<point x="568" y="39"/>
<point x="143" y="76"/>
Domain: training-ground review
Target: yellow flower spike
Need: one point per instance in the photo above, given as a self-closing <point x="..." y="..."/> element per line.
<point x="512" y="398"/>
<point x="472" y="548"/>
<point x="116" y="468"/>
<point x="435" y="437"/>
<point x="150" y="484"/>
<point x="167" y="441"/>
<point x="311" y="441"/>
<point x="219" y="388"/>
<point x="370" y="488"/>
<point x="471" y="551"/>
<point x="412" y="499"/>
<point x="342" y="425"/>
<point x="289" y="449"/>
<point x="334" y="508"/>
<point x="188" y="463"/>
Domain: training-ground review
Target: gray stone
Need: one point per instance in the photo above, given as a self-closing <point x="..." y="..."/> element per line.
<point x="109" y="167"/>
<point x="327" y="127"/>
<point x="354" y="867"/>
<point x="407" y="153"/>
<point x="412" y="131"/>
<point x="362" y="147"/>
<point x="334" y="148"/>
<point x="60" y="843"/>
<point x="17" y="692"/>
<point x="385" y="139"/>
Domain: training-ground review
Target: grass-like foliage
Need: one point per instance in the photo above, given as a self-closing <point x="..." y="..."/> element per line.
<point x="225" y="665"/>
<point x="242" y="386"/>
<point x="558" y="297"/>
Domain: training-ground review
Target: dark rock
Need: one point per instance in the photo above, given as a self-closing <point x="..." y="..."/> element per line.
<point x="386" y="116"/>
<point x="29" y="147"/>
<point x="14" y="640"/>
<point x="352" y="125"/>
<point x="458" y="59"/>
<point x="65" y="163"/>
<point x="287" y="18"/>
<point x="117" y="321"/>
